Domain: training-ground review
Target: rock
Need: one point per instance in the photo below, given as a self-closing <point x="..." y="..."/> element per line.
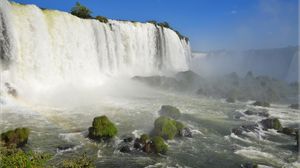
<point x="186" y="132"/>
<point x="147" y="147"/>
<point x="144" y="138"/>
<point x="158" y="145"/>
<point x="10" y="90"/>
<point x="137" y="144"/>
<point x="170" y="111"/>
<point x="249" y="165"/>
<point x="102" y="129"/>
<point x="261" y="103"/>
<point x="167" y="128"/>
<point x="65" y="147"/>
<point x="125" y="149"/>
<point x="259" y="113"/>
<point x="271" y="123"/>
<point x="230" y="100"/>
<point x="297" y="138"/>
<point x="246" y="128"/>
<point x="294" y="106"/>
<point x="17" y="137"/>
<point x="288" y="131"/>
<point x="129" y="139"/>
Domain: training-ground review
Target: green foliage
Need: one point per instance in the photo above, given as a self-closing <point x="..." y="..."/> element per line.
<point x="159" y="145"/>
<point x="79" y="162"/>
<point x="102" y="128"/>
<point x="167" y="128"/>
<point x="153" y="22"/>
<point x="164" y="24"/>
<point x="17" y="137"/>
<point x="170" y="111"/>
<point x="13" y="157"/>
<point x="81" y="11"/>
<point x="102" y="19"/>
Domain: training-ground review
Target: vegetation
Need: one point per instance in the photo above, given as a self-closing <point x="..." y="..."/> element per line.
<point x="159" y="145"/>
<point x="167" y="128"/>
<point x="79" y="162"/>
<point x="17" y="137"/>
<point x="144" y="138"/>
<point x="14" y="157"/>
<point x="170" y="111"/>
<point x="101" y="19"/>
<point x="271" y="123"/>
<point x="81" y="11"/>
<point x="102" y="128"/>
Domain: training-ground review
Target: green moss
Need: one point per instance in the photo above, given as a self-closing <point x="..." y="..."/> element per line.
<point x="79" y="162"/>
<point x="81" y="11"/>
<point x="144" y="138"/>
<point x="17" y="137"/>
<point x="170" y="111"/>
<point x="102" y="19"/>
<point x="167" y="128"/>
<point x="159" y="145"/>
<point x="13" y="157"/>
<point x="102" y="128"/>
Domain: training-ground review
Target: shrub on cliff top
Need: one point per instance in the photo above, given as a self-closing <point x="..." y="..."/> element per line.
<point x="81" y="11"/>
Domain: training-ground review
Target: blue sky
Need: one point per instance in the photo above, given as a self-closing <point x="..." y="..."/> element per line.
<point x="210" y="24"/>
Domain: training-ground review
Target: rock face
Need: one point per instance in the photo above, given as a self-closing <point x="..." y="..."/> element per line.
<point x="271" y="123"/>
<point x="17" y="137"/>
<point x="158" y="145"/>
<point x="261" y="103"/>
<point x="170" y="111"/>
<point x="167" y="128"/>
<point x="102" y="129"/>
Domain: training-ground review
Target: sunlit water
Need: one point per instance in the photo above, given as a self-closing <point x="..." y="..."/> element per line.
<point x="66" y="120"/>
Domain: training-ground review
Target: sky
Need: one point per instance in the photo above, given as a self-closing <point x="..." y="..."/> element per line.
<point x="209" y="24"/>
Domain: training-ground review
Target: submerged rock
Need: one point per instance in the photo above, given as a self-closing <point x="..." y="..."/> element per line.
<point x="128" y="139"/>
<point x="249" y="165"/>
<point x="125" y="149"/>
<point x="102" y="129"/>
<point x="271" y="123"/>
<point x="17" y="137"/>
<point x="170" y="111"/>
<point x="259" y="113"/>
<point x="288" y="131"/>
<point x="261" y="103"/>
<point x="294" y="106"/>
<point x="65" y="147"/>
<point x="246" y="128"/>
<point x="230" y="100"/>
<point x="186" y="132"/>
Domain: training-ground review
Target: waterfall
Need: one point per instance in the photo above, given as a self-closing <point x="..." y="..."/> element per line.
<point x="45" y="48"/>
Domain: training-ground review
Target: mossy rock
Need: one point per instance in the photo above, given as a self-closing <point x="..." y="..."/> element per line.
<point x="271" y="123"/>
<point x="158" y="145"/>
<point x="167" y="128"/>
<point x="170" y="111"/>
<point x="101" y="19"/>
<point x="17" y="137"/>
<point x="102" y="129"/>
<point x="144" y="138"/>
<point x="261" y="103"/>
<point x="288" y="131"/>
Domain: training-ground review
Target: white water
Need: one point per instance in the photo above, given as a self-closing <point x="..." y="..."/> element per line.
<point x="44" y="49"/>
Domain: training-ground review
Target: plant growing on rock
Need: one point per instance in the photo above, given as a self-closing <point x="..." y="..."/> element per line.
<point x="102" y="129"/>
<point x="101" y="19"/>
<point x="158" y="145"/>
<point x="78" y="162"/>
<point x="17" y="137"/>
<point x="167" y="128"/>
<point x="271" y="123"/>
<point x="81" y="11"/>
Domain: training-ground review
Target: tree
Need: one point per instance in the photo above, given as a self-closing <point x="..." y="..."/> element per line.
<point x="81" y="11"/>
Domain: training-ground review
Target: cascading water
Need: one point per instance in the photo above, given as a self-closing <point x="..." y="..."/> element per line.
<point x="47" y="48"/>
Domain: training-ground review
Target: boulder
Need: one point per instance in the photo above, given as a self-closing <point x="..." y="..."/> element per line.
<point x="186" y="132"/>
<point x="125" y="149"/>
<point x="167" y="128"/>
<point x="65" y="147"/>
<point x="102" y="129"/>
<point x="158" y="145"/>
<point x="170" y="111"/>
<point x="261" y="103"/>
<point x="17" y="137"/>
<point x="271" y="123"/>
